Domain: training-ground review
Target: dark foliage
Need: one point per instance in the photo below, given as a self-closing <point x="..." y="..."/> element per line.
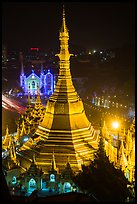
<point x="102" y="179"/>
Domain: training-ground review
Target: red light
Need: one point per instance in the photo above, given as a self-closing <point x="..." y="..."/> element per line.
<point x="34" y="48"/>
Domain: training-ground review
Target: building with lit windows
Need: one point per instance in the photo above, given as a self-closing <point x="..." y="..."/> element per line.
<point x="30" y="83"/>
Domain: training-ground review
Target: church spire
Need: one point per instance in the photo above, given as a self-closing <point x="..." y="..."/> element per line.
<point x="42" y="71"/>
<point x="22" y="69"/>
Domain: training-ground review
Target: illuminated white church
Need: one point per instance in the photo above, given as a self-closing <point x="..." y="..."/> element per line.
<point x="45" y="82"/>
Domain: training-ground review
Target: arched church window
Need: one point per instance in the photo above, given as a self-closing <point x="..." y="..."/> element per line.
<point x="23" y="82"/>
<point x="67" y="187"/>
<point x="52" y="178"/>
<point x="44" y="185"/>
<point x="32" y="183"/>
<point x="14" y="180"/>
<point x="33" y="84"/>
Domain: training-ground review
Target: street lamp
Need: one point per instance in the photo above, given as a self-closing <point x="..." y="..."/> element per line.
<point x="116" y="126"/>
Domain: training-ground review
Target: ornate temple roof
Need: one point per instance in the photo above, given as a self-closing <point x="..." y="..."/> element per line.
<point x="33" y="169"/>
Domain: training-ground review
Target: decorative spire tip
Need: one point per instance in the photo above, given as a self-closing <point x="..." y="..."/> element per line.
<point x="63" y="11"/>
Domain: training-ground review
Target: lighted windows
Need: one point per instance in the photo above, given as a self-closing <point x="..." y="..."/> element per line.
<point x="14" y="180"/>
<point x="32" y="183"/>
<point x="33" y="84"/>
<point x="67" y="187"/>
<point x="52" y="178"/>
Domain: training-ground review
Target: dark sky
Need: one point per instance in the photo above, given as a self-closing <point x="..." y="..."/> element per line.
<point x="92" y="25"/>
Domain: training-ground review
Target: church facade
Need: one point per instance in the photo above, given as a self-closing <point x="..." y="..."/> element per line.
<point x="45" y="82"/>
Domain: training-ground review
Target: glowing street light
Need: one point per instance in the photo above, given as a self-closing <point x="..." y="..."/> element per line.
<point x="115" y="124"/>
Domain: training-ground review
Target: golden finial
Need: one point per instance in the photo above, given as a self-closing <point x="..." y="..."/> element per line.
<point x="7" y="130"/>
<point x="63" y="11"/>
<point x="64" y="28"/>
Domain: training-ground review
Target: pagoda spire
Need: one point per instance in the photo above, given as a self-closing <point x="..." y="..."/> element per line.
<point x="64" y="90"/>
<point x="7" y="130"/>
<point x="13" y="152"/>
<point x="17" y="136"/>
<point x="7" y="140"/>
<point x="64" y="27"/>
<point x="23" y="130"/>
<point x="34" y="158"/>
<point x="38" y="103"/>
<point x="38" y="110"/>
<point x="64" y="37"/>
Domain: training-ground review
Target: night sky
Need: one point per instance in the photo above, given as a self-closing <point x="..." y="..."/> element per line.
<point x="91" y="25"/>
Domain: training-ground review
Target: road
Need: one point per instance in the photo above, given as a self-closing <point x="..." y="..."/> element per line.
<point x="95" y="114"/>
<point x="12" y="105"/>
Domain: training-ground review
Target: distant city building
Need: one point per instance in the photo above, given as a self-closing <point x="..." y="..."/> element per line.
<point x="35" y="56"/>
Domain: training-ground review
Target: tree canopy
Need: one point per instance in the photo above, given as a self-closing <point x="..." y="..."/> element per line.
<point x="102" y="179"/>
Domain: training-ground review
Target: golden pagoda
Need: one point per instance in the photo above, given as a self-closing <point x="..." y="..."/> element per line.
<point x="6" y="143"/>
<point x="65" y="129"/>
